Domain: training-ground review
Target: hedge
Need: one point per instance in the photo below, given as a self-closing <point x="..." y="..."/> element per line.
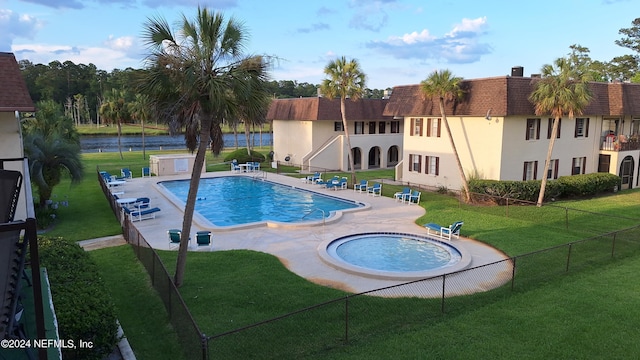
<point x="242" y="156"/>
<point x="83" y="306"/>
<point x="563" y="187"/>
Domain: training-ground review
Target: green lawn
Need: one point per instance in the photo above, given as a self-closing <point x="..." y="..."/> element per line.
<point x="587" y="314"/>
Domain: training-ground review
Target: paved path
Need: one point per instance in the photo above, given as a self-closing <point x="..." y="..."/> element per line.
<point x="297" y="245"/>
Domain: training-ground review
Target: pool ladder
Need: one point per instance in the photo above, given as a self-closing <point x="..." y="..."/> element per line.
<point x="260" y="174"/>
<point x="314" y="210"/>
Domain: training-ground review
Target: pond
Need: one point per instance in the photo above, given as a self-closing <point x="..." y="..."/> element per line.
<point x="91" y="144"/>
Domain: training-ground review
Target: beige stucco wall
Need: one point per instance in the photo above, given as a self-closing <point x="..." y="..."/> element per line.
<point x="497" y="149"/>
<point x="291" y="138"/>
<point x="317" y="146"/>
<point x="10" y="148"/>
<point x="479" y="145"/>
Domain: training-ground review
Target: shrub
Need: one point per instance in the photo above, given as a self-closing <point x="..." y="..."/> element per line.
<point x="242" y="156"/>
<point x="589" y="184"/>
<point x="565" y="186"/>
<point x="82" y="304"/>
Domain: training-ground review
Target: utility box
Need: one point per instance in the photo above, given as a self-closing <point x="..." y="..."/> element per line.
<point x="173" y="164"/>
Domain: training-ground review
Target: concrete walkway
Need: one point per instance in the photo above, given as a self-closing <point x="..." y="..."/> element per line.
<point x="297" y="246"/>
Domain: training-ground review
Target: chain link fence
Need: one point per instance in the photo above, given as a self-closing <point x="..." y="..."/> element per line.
<point x="315" y="330"/>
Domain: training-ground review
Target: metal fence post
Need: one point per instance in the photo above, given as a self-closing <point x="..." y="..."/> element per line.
<point x="444" y="276"/>
<point x="613" y="244"/>
<point x="346" y="320"/>
<point x="513" y="274"/>
<point x="569" y="257"/>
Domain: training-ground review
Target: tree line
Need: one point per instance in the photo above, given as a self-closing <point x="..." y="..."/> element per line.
<point x="81" y="89"/>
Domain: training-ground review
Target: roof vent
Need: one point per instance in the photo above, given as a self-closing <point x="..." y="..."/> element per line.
<point x="517" y="71"/>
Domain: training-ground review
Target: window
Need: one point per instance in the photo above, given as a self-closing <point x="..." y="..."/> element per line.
<point x="550" y="128"/>
<point x="552" y="171"/>
<point x="415" y="162"/>
<point x="381" y="127"/>
<point x="433" y="127"/>
<point x="533" y="129"/>
<point x="416" y="126"/>
<point x="395" y="127"/>
<point x="433" y="165"/>
<point x="337" y="126"/>
<point x="582" y="127"/>
<point x="635" y="126"/>
<point x="530" y="171"/>
<point x="579" y="164"/>
<point x="372" y="127"/>
<point x="359" y="127"/>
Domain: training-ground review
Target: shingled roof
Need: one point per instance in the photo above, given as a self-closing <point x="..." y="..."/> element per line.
<point x="509" y="95"/>
<point x="320" y="108"/>
<point x="14" y="94"/>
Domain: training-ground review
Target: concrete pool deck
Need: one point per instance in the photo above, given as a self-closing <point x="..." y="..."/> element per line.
<point x="297" y="246"/>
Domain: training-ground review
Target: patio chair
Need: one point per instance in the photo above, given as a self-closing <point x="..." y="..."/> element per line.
<point x="375" y="190"/>
<point x="126" y="173"/>
<point x="146" y="172"/>
<point x="235" y="168"/>
<point x="362" y="186"/>
<point x="403" y="195"/>
<point x="452" y="230"/>
<point x="174" y="238"/>
<point x="313" y="178"/>
<point x="203" y="238"/>
<point x="414" y="197"/>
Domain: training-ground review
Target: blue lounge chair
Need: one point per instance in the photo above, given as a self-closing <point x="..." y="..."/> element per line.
<point x="375" y="190"/>
<point x="362" y="186"/>
<point x="142" y="203"/>
<point x="445" y="232"/>
<point x="203" y="238"/>
<point x="403" y="195"/>
<point x="146" y="172"/>
<point x="142" y="214"/>
<point x="313" y="178"/>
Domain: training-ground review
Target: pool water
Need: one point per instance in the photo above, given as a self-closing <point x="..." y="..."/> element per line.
<point x="237" y="200"/>
<point x="394" y="252"/>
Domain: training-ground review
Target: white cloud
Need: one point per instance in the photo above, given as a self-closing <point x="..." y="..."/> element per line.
<point x="102" y="57"/>
<point x="14" y="25"/>
<point x="460" y="45"/>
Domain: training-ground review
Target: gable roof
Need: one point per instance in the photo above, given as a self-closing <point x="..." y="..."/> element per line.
<point x="320" y="108"/>
<point x="509" y="95"/>
<point x="14" y="94"/>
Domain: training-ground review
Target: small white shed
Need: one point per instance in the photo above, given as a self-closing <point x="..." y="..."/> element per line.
<point x="173" y="164"/>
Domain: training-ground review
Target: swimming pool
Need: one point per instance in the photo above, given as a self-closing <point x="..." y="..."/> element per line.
<point x="393" y="255"/>
<point x="239" y="200"/>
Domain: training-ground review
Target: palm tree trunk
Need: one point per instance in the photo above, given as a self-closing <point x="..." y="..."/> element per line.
<point x="144" y="154"/>
<point x="190" y="205"/>
<point x="119" y="135"/>
<point x="547" y="161"/>
<point x="247" y="137"/>
<point x="463" y="178"/>
<point x="346" y="133"/>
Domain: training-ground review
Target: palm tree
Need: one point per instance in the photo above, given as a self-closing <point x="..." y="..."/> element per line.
<point x="562" y="89"/>
<point x="346" y="80"/>
<point x="197" y="77"/>
<point x="140" y="109"/>
<point x="115" y="109"/>
<point x="52" y="146"/>
<point x="445" y="86"/>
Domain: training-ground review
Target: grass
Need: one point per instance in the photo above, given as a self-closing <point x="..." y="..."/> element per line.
<point x="576" y="316"/>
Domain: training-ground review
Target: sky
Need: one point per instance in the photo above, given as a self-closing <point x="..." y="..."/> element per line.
<point x="397" y="42"/>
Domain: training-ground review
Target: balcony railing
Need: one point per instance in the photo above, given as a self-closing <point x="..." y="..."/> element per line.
<point x="22" y="165"/>
<point x="619" y="143"/>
